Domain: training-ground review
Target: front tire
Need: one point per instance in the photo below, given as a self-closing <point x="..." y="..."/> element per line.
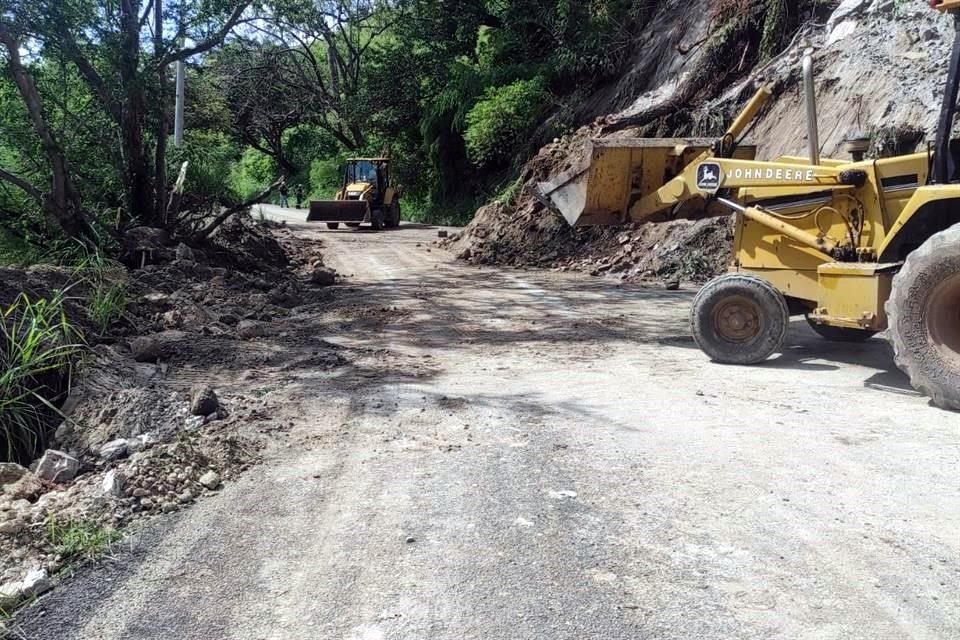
<point x="739" y="319"/>
<point x="376" y="220"/>
<point x="333" y="225"/>
<point x="840" y="334"/>
<point x="924" y="318"/>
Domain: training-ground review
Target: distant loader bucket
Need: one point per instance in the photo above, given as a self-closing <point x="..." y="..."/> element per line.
<point x="338" y="211"/>
<point x="616" y="173"/>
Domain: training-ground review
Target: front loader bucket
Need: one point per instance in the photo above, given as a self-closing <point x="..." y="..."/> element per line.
<point x="338" y="211"/>
<point x="616" y="172"/>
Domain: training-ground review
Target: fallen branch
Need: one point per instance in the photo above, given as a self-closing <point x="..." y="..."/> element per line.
<point x="173" y="205"/>
<point x="225" y="215"/>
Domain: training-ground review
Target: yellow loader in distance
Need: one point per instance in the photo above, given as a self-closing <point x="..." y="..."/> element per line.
<point x="857" y="246"/>
<point x="366" y="195"/>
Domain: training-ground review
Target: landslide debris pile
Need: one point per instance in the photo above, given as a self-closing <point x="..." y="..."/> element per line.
<point x="152" y="421"/>
<point x="880" y="71"/>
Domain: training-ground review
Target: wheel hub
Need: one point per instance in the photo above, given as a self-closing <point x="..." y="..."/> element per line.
<point x="943" y="319"/>
<point x="737" y="319"/>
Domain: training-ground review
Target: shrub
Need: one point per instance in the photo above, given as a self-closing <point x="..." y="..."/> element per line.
<point x="325" y="178"/>
<point x="211" y="157"/>
<point x="498" y="123"/>
<point x="38" y="345"/>
<point x="251" y="174"/>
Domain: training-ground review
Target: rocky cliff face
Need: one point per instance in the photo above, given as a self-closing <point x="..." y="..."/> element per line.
<point x="881" y="68"/>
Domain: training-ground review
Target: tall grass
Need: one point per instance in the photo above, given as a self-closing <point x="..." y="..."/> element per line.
<point x="38" y="345"/>
<point x="80" y="539"/>
<point x="107" y="298"/>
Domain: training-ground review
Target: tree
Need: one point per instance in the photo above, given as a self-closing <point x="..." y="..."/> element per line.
<point x="104" y="42"/>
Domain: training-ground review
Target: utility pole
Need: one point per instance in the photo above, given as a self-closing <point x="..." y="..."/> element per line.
<point x="181" y="98"/>
<point x="178" y="123"/>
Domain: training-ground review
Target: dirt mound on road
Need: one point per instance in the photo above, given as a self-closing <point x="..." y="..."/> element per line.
<point x="875" y="72"/>
<point x="211" y="321"/>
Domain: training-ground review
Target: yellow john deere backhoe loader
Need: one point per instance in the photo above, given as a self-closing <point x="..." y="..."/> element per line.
<point x="857" y="246"/>
<point x="366" y="196"/>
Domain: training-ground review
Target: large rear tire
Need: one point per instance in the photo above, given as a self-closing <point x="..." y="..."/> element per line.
<point x="394" y="219"/>
<point x="333" y="225"/>
<point x="739" y="319"/>
<point x="924" y="318"/>
<point x="840" y="334"/>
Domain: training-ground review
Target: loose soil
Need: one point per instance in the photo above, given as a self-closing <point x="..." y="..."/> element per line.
<point x="539" y="454"/>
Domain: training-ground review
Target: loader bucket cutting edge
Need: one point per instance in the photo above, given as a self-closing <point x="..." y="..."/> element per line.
<point x="338" y="211"/>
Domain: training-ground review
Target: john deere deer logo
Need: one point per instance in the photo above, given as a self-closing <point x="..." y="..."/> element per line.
<point x="709" y="177"/>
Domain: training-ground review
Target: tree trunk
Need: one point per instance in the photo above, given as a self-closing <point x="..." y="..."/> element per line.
<point x="160" y="162"/>
<point x="62" y="203"/>
<point x="140" y="200"/>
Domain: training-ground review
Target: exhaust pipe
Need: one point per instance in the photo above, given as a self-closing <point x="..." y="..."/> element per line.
<point x="813" y="134"/>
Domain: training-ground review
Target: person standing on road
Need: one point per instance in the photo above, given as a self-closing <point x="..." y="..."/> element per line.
<point x="284" y="192"/>
<point x="298" y="191"/>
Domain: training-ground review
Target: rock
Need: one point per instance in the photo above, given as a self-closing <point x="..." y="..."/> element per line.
<point x="57" y="466"/>
<point x="248" y="329"/>
<point x="671" y="285"/>
<point x="10" y="472"/>
<point x="185" y="497"/>
<point x="172" y="319"/>
<point x="845" y="10"/>
<point x="144" y="245"/>
<point x="114" y="450"/>
<point x="228" y="319"/>
<point x="146" y="504"/>
<point x="156" y="298"/>
<point x="141" y="442"/>
<point x="210" y="480"/>
<point x="12" y="527"/>
<point x="26" y="488"/>
<point x="185" y="253"/>
<point x="114" y="483"/>
<point x="442" y="233"/>
<point x="63" y="431"/>
<point x="168" y="507"/>
<point x="929" y="35"/>
<point x="323" y="277"/>
<point x="194" y="422"/>
<point x="35" y="583"/>
<point x="146" y="349"/>
<point x="203" y="400"/>
<point x="140" y="492"/>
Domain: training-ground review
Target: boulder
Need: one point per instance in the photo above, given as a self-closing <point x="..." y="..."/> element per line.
<point x="323" y="277"/>
<point x="144" y="245"/>
<point x="114" y="450"/>
<point x="140" y="442"/>
<point x="203" y="400"/>
<point x="185" y="253"/>
<point x="146" y="348"/>
<point x="248" y="329"/>
<point x="35" y="583"/>
<point x="114" y="483"/>
<point x="12" y="527"/>
<point x="10" y="472"/>
<point x="26" y="488"/>
<point x="57" y="466"/>
<point x="210" y="480"/>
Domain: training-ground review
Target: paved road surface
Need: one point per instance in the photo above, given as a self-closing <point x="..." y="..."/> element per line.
<point x="556" y="460"/>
